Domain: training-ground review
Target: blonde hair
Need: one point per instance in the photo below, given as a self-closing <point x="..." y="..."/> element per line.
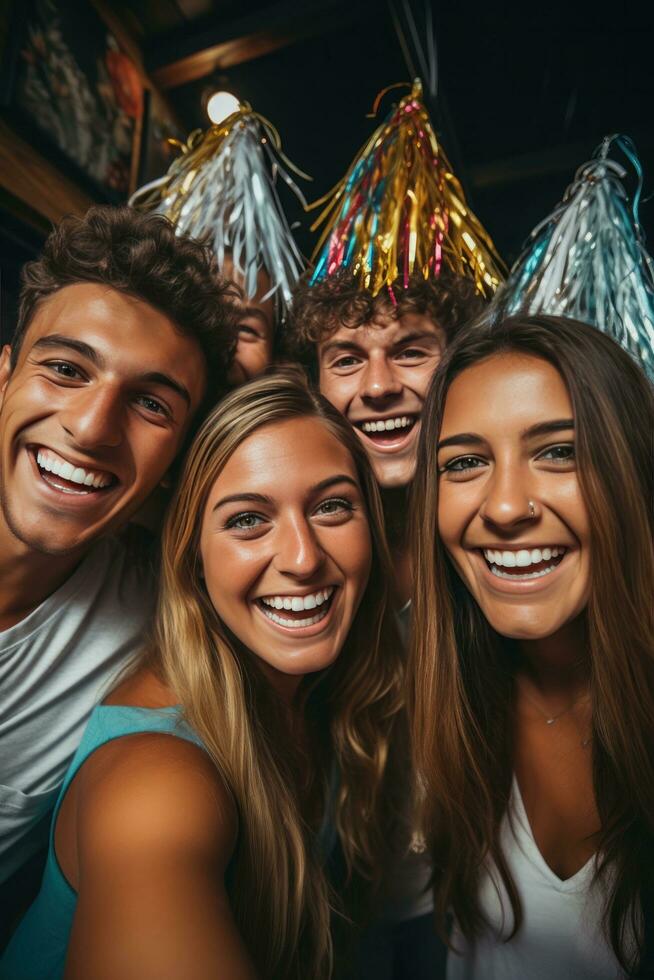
<point x="278" y="890"/>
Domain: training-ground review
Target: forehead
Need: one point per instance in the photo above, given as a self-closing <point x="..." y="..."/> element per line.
<point x="265" y="307"/>
<point x="126" y="332"/>
<point x="285" y="459"/>
<point x="384" y="331"/>
<point x="505" y="393"/>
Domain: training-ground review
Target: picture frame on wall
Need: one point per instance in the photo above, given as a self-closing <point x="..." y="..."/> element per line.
<point x="159" y="137"/>
<point x="69" y="90"/>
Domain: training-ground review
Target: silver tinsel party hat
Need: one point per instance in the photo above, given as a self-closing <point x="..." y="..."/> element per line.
<point x="223" y="189"/>
<point x="587" y="259"/>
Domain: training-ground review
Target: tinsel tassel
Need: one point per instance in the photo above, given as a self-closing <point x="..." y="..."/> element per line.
<point x="223" y="188"/>
<point x="400" y="210"/>
<point x="588" y="260"/>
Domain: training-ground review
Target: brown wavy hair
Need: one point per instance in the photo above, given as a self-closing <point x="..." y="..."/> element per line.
<point x="320" y="310"/>
<point x="138" y="254"/>
<point x="353" y="711"/>
<point x="461" y="677"/>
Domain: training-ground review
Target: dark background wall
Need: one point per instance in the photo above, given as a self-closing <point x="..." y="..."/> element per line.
<point x="525" y="95"/>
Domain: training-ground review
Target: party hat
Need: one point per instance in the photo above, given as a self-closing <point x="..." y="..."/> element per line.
<point x="400" y="210"/>
<point x="587" y="259"/>
<point x="223" y="189"/>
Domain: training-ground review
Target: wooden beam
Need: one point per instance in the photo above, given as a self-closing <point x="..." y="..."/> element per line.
<point x="32" y="179"/>
<point x="174" y="61"/>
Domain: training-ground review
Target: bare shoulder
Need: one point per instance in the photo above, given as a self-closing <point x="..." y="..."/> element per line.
<point x="153" y="793"/>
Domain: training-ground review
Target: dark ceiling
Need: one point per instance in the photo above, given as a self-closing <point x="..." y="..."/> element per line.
<point x="522" y="101"/>
<point x="523" y="97"/>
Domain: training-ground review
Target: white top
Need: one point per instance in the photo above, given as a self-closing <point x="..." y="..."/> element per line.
<point x="561" y="936"/>
<point x="55" y="665"/>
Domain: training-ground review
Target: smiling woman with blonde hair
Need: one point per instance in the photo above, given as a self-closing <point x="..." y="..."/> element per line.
<point x="533" y="668"/>
<point x="277" y="667"/>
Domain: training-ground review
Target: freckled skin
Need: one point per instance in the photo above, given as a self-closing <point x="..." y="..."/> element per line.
<point x="296" y="542"/>
<point x="487" y="506"/>
<point x="387" y="374"/>
<point x="102" y="416"/>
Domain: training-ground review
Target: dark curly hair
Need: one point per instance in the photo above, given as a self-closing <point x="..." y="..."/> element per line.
<point x="339" y="301"/>
<point x="141" y="255"/>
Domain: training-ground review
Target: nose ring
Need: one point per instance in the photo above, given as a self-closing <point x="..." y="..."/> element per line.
<point x="532" y="509"/>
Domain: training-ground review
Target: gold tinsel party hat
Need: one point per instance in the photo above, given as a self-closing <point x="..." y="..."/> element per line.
<point x="400" y="210"/>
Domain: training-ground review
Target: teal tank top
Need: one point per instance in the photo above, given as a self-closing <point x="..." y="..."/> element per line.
<point x="37" y="950"/>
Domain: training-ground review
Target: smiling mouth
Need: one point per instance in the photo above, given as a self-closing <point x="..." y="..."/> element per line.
<point x="387" y="431"/>
<point x="524" y="564"/>
<point x="65" y="477"/>
<point x="297" y="612"/>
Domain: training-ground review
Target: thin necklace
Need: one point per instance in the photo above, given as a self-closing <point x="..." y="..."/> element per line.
<point x="551" y="719"/>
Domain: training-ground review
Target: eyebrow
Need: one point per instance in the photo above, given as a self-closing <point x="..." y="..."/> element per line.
<point x="91" y="354"/>
<point x="540" y="429"/>
<point x="59" y="340"/>
<point x="260" y="498"/>
<point x="350" y="345"/>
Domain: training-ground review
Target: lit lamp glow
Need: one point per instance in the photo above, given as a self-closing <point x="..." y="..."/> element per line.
<point x="220" y="105"/>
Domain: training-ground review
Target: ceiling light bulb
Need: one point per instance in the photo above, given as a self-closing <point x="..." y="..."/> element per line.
<point x="221" y="105"/>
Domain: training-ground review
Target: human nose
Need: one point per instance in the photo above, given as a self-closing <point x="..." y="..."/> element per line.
<point x="298" y="550"/>
<point x="509" y="499"/>
<point x="379" y="380"/>
<point x="93" y="418"/>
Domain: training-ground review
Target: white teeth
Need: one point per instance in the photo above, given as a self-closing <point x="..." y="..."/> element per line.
<point x="295" y="623"/>
<point x="297" y="603"/>
<point x="51" y="463"/>
<point x="524" y="575"/>
<point x="522" y="558"/>
<point x="387" y="425"/>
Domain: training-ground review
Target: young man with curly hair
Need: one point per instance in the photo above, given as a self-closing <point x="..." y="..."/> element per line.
<point x="373" y="358"/>
<point x="124" y="338"/>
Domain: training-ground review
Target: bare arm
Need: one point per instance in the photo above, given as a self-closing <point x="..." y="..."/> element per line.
<point x="155" y="830"/>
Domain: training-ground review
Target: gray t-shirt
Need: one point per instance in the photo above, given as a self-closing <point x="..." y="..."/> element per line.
<point x="55" y="665"/>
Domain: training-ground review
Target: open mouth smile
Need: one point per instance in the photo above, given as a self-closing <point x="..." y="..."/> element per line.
<point x="524" y="564"/>
<point x="294" y="612"/>
<point x="62" y="475"/>
<point x="390" y="432"/>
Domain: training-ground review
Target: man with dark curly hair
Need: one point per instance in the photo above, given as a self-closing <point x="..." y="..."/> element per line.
<point x="373" y="358"/>
<point x="124" y="338"/>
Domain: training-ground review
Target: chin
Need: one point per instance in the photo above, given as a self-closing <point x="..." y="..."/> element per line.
<point x="524" y="628"/>
<point x="305" y="664"/>
<point x="391" y="477"/>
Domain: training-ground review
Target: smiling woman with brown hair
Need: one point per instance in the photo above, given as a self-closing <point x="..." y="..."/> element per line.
<point x="276" y="665"/>
<point x="533" y="669"/>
